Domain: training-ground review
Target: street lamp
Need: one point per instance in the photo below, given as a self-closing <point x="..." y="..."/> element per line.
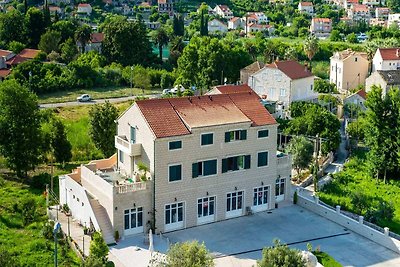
<point x="56" y="229"/>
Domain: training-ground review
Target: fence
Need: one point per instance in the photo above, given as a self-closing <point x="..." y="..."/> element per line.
<point x="353" y="222"/>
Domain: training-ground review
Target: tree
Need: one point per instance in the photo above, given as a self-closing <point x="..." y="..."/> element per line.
<point x="49" y="41"/>
<point x="66" y="28"/>
<point x="28" y="210"/>
<point x="82" y="35"/>
<point x="335" y="36"/>
<point x="189" y="254"/>
<point x="35" y="26"/>
<point x="302" y="151"/>
<point x="59" y="142"/>
<point x="102" y="127"/>
<point x="69" y="51"/>
<point x="281" y="256"/>
<point x="178" y="25"/>
<point x="160" y="38"/>
<point x="98" y="248"/>
<point x="141" y="78"/>
<point x="203" y="21"/>
<point x="323" y="86"/>
<point x="20" y="133"/>
<point x="352" y="38"/>
<point x="16" y="47"/>
<point x="126" y="42"/>
<point x="311" y="46"/>
<point x="12" y="27"/>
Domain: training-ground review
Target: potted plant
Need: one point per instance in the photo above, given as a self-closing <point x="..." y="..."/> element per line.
<point x="116" y="236"/>
<point x="66" y="209"/>
<point x="143" y="169"/>
<point x="85" y="230"/>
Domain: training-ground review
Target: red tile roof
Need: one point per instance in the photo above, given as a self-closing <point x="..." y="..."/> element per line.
<point x="5" y="53"/>
<point x="322" y="20"/>
<point x="177" y="116"/>
<point x="29" y="53"/>
<point x="232" y="89"/>
<point x="362" y="93"/>
<point x="306" y="3"/>
<point x="4" y="73"/>
<point x="16" y="60"/>
<point x="293" y="69"/>
<point x="97" y="37"/>
<point x="390" y="53"/>
<point x="84" y="5"/>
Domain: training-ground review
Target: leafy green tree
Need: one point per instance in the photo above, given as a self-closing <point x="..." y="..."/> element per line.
<point x="49" y="41"/>
<point x="141" y="78"/>
<point x="323" y="86"/>
<point x="335" y="36"/>
<point x="69" y="51"/>
<point x="126" y="42"/>
<point x="281" y="256"/>
<point x="59" y="142"/>
<point x="35" y="26"/>
<point x="102" y="127"/>
<point x="160" y="38"/>
<point x="67" y="28"/>
<point x="311" y="46"/>
<point x="352" y="38"/>
<point x="98" y="248"/>
<point x="82" y="35"/>
<point x="178" y="25"/>
<point x="12" y="27"/>
<point x="20" y="133"/>
<point x="302" y="151"/>
<point x="16" y="47"/>
<point x="28" y="208"/>
<point x="203" y="21"/>
<point x="189" y="254"/>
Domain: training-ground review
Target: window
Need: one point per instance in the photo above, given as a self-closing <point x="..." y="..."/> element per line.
<point x="175" y="173"/>
<point x="283" y="92"/>
<point x="133" y="218"/>
<point x="204" y="168"/>
<point x="174" y="213"/>
<point x="262" y="159"/>
<point x="355" y="59"/>
<point x="263" y="133"/>
<point x="280" y="186"/>
<point x="311" y="87"/>
<point x="175" y="145"/>
<point x="260" y="195"/>
<point x="236" y="163"/>
<point x="121" y="156"/>
<point x="133" y="134"/>
<point x="278" y="76"/>
<point x="235" y="135"/>
<point x="205" y="207"/>
<point x="234" y="201"/>
<point x="207" y="139"/>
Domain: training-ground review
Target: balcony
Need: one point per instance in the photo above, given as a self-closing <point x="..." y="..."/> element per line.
<point x="131" y="187"/>
<point x="132" y="149"/>
<point x="283" y="160"/>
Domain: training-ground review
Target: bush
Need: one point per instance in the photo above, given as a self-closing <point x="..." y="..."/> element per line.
<point x="189" y="254"/>
<point x="383" y="212"/>
<point x="47" y="230"/>
<point x="39" y="181"/>
<point x="281" y="255"/>
<point x="28" y="209"/>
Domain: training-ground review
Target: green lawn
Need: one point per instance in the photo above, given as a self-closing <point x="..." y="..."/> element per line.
<point x="95" y="93"/>
<point x="355" y="178"/>
<point x="26" y="244"/>
<point x="76" y="121"/>
<point x="326" y="260"/>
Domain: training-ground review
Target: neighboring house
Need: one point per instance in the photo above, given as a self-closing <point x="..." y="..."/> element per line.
<point x="95" y="42"/>
<point x="152" y="25"/>
<point x="359" y="12"/>
<point x="348" y="3"/>
<point x="58" y="2"/>
<point x="85" y="9"/>
<point x="383" y="78"/>
<point x="378" y="22"/>
<point x="374" y="3"/>
<point x="321" y="27"/>
<point x="386" y="59"/>
<point x="209" y="158"/>
<point x="394" y="19"/>
<point x="247" y="71"/>
<point x="306" y="7"/>
<point x="223" y="11"/>
<point x="348" y="69"/>
<point x="256" y="17"/>
<point x="216" y="25"/>
<point x="166" y="6"/>
<point x="253" y="28"/>
<point x="5" y="56"/>
<point x="4" y="73"/>
<point x="382" y="13"/>
<point x="284" y="82"/>
<point x="230" y="89"/>
<point x="24" y="55"/>
<point x="55" y="10"/>
<point x="357" y="98"/>
<point x="235" y="23"/>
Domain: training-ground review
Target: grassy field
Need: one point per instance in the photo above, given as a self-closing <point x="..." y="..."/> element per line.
<point x="25" y="244"/>
<point x="355" y="179"/>
<point x="326" y="260"/>
<point x="95" y="93"/>
<point x="76" y="121"/>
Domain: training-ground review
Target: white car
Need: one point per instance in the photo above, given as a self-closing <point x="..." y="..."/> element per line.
<point x="166" y="91"/>
<point x="176" y="88"/>
<point x="83" y="98"/>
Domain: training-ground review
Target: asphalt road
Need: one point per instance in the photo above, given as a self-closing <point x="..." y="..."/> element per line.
<point x="95" y="101"/>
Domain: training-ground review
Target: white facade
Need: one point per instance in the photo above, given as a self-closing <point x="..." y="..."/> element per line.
<point x="85" y="9"/>
<point x="306" y="7"/>
<point x="394" y="19"/>
<point x="217" y="26"/>
<point x="223" y="11"/>
<point x="386" y="59"/>
<point x="235" y="23"/>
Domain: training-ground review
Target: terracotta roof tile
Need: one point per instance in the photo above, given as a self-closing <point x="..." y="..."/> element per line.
<point x="16" y="60"/>
<point x="306" y="3"/>
<point x="390" y="53"/>
<point x="84" y="5"/>
<point x="362" y="93"/>
<point x="293" y="69"/>
<point x="253" y="67"/>
<point x="97" y="37"/>
<point x="232" y="89"/>
<point x="177" y="116"/>
<point x="29" y="53"/>
<point x="5" y="53"/>
<point x="4" y="73"/>
<point x="322" y="20"/>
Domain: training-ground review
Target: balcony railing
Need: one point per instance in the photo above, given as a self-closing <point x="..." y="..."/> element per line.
<point x="133" y="149"/>
<point x="283" y="160"/>
<point x="127" y="188"/>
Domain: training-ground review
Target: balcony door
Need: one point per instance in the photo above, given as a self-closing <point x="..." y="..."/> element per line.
<point x="133" y="134"/>
<point x="133" y="221"/>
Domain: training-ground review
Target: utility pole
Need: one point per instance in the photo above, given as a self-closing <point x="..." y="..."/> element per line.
<point x="56" y="229"/>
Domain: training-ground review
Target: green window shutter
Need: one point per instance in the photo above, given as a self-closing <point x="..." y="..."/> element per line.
<point x="195" y="172"/>
<point x="247" y="162"/>
<point x="262" y="159"/>
<point x="243" y="134"/>
<point x="227" y="137"/>
<point x="224" y="165"/>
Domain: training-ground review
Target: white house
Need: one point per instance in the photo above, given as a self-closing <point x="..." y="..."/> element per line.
<point x="386" y="59"/>
<point x="374" y="3"/>
<point x="235" y="23"/>
<point x="284" y="82"/>
<point x="394" y="19"/>
<point x="357" y="98"/>
<point x="258" y="17"/>
<point x="306" y="7"/>
<point x="223" y="11"/>
<point x="382" y="12"/>
<point x="359" y="13"/>
<point x="216" y="25"/>
<point x="85" y="9"/>
<point x="383" y="78"/>
<point x="321" y="27"/>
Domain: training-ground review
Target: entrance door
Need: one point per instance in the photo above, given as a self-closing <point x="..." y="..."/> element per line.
<point x="173" y="216"/>
<point x="234" y="204"/>
<point x="260" y="198"/>
<point x="205" y="210"/>
<point x="133" y="221"/>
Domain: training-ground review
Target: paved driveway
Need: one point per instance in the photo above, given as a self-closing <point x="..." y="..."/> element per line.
<point x="238" y="242"/>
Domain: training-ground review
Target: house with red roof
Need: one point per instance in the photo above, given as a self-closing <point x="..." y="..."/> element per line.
<point x="95" y="43"/>
<point x="84" y="9"/>
<point x="359" y="12"/>
<point x="386" y="59"/>
<point x="358" y="99"/>
<point x="284" y="82"/>
<point x="230" y="89"/>
<point x="24" y="55"/>
<point x="306" y="7"/>
<point x="223" y="11"/>
<point x="321" y="27"/>
<point x="207" y="159"/>
<point x="235" y="23"/>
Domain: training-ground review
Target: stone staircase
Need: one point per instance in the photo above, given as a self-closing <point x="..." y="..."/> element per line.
<point x="103" y="221"/>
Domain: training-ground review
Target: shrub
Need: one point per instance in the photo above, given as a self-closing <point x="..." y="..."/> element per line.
<point x="28" y="210"/>
<point x="280" y="255"/>
<point x="98" y="247"/>
<point x="6" y="259"/>
<point x="189" y="254"/>
<point x="39" y="181"/>
<point x="47" y="230"/>
<point x="295" y="197"/>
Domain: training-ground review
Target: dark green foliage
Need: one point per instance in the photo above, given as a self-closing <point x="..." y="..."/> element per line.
<point x="35" y="26"/>
<point x="6" y="259"/>
<point x="82" y="35"/>
<point x="281" y="256"/>
<point x="28" y="210"/>
<point x="69" y="51"/>
<point x="103" y="128"/>
<point x="16" y="47"/>
<point x="47" y="230"/>
<point x="302" y="151"/>
<point x="59" y="142"/>
<point x="20" y="133"/>
<point x="326" y="260"/>
<point x="295" y="197"/>
<point x="98" y="248"/>
<point x="49" y="41"/>
<point x="381" y="213"/>
<point x="39" y="181"/>
<point x="352" y="38"/>
<point x="12" y="27"/>
<point x="160" y="38"/>
<point x="323" y="86"/>
<point x="178" y="25"/>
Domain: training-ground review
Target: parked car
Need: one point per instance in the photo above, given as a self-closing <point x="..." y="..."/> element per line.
<point x="166" y="91"/>
<point x="176" y="88"/>
<point x="84" y="98"/>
